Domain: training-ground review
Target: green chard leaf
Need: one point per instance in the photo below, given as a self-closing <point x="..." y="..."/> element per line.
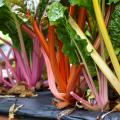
<point x="50" y="1"/>
<point x="114" y="28"/>
<point x="113" y="1"/>
<point x="7" y="26"/>
<point x="68" y="47"/>
<point x="1" y="3"/>
<point x="56" y="12"/>
<point x="41" y="8"/>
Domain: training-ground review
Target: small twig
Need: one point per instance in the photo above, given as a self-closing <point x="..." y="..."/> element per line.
<point x="13" y="109"/>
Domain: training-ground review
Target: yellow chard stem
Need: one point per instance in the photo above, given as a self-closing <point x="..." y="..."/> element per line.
<point x="106" y="38"/>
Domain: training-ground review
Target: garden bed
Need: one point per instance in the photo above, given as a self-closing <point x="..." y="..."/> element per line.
<point x="40" y="107"/>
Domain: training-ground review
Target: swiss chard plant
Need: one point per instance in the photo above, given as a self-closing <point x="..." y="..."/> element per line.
<point x="28" y="59"/>
<point x="79" y="51"/>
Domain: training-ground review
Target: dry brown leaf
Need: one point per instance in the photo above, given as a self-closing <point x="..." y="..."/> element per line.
<point x="116" y="108"/>
<point x="21" y="90"/>
<point x="27" y="93"/>
<point x="3" y="90"/>
<point x="17" y="89"/>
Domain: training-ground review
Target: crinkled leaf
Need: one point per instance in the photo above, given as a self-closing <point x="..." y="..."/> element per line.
<point x="114" y="28"/>
<point x="56" y="12"/>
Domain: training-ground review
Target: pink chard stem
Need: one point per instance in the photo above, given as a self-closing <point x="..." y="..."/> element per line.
<point x="51" y="78"/>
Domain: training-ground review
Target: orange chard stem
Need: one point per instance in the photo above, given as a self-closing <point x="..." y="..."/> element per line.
<point x="73" y="79"/>
<point x="40" y="37"/>
<point x="62" y="104"/>
<point x="59" y="80"/>
<point x="61" y="62"/>
<point x="67" y="67"/>
<point x="72" y="10"/>
<point x="82" y="17"/>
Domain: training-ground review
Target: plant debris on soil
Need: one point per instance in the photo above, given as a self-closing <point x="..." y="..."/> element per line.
<point x="19" y="90"/>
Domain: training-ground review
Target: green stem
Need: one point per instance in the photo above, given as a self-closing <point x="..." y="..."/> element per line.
<point x="106" y="38"/>
<point x="103" y="7"/>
